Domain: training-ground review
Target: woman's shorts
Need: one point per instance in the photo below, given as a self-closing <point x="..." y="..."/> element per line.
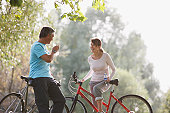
<point x="98" y="88"/>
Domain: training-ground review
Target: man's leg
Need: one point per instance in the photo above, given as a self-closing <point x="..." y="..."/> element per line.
<point x="57" y="97"/>
<point x="41" y="94"/>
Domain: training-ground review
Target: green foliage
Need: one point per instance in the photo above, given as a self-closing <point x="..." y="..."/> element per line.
<point x="128" y="84"/>
<point x="98" y="5"/>
<point x="74" y="17"/>
<point x="165" y="108"/>
<point x="16" y="2"/>
<point x="17" y="30"/>
<point x="75" y="13"/>
<point x="72" y="42"/>
<point x="128" y="53"/>
<point x="135" y="50"/>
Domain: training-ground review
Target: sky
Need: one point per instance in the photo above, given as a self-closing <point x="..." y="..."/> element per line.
<point x="151" y="19"/>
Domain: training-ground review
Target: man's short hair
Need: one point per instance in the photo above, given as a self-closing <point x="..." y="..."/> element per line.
<point x="45" y="31"/>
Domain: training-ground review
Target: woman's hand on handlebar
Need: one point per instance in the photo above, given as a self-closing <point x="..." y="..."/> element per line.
<point x="81" y="80"/>
<point x="108" y="79"/>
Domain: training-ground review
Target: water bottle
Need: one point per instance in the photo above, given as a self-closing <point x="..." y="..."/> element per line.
<point x="105" y="78"/>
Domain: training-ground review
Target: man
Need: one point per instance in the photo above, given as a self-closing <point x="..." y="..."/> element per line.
<point x="45" y="87"/>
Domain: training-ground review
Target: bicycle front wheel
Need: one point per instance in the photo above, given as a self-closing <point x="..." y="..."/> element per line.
<point x="77" y="107"/>
<point x="65" y="110"/>
<point x="135" y="103"/>
<point x="11" y="103"/>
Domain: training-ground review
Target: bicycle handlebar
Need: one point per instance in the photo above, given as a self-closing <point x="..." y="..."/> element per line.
<point x="113" y="82"/>
<point x="74" y="77"/>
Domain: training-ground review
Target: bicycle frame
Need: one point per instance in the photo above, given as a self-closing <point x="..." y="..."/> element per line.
<point x="80" y="88"/>
<point x="24" y="101"/>
<point x="25" y="92"/>
<point x="22" y="93"/>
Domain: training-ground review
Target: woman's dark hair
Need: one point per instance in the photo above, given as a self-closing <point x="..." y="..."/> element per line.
<point x="45" y="31"/>
<point x="97" y="42"/>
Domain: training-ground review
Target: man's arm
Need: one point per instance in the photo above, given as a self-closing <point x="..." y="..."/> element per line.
<point x="49" y="58"/>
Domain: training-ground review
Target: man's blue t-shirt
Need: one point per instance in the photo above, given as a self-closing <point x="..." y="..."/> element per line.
<point x="38" y="67"/>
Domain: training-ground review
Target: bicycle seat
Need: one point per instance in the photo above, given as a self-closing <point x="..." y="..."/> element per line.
<point x="28" y="80"/>
<point x="114" y="82"/>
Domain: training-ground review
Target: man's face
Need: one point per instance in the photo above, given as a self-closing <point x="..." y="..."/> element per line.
<point x="50" y="38"/>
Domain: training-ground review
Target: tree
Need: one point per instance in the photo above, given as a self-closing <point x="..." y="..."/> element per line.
<point x="133" y="53"/>
<point x="74" y="40"/>
<point x="17" y="33"/>
<point x="75" y="13"/>
<point x="165" y="108"/>
<point x="18" y="29"/>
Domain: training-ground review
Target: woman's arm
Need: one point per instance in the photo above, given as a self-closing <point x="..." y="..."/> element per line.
<point x="89" y="74"/>
<point x="111" y="65"/>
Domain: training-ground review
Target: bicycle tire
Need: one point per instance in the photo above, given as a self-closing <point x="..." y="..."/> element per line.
<point x="32" y="108"/>
<point x="65" y="110"/>
<point x="11" y="103"/>
<point x="134" y="103"/>
<point x="78" y="106"/>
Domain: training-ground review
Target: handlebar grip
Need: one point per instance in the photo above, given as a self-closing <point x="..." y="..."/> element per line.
<point x="74" y="76"/>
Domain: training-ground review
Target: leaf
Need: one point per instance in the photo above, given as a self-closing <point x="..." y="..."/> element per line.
<point x="18" y="16"/>
<point x="3" y="16"/>
<point x="56" y="5"/>
<point x="63" y="16"/>
<point x="82" y="18"/>
<point x="66" y="2"/>
<point x="71" y="5"/>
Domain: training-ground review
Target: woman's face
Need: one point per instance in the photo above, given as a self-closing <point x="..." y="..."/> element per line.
<point x="94" y="48"/>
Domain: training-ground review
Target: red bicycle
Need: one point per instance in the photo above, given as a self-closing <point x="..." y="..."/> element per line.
<point x="126" y="104"/>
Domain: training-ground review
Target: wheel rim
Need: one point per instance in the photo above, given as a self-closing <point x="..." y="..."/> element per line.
<point x="10" y="103"/>
<point x="79" y="108"/>
<point x="134" y="103"/>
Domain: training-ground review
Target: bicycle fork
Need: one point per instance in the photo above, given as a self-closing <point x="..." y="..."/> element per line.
<point x="74" y="104"/>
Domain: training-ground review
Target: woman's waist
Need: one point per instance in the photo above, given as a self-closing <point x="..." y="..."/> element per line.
<point x="99" y="72"/>
<point x="97" y="77"/>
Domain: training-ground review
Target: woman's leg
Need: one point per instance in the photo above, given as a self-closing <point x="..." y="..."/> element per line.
<point x="97" y="89"/>
<point x="93" y="99"/>
<point x="99" y="105"/>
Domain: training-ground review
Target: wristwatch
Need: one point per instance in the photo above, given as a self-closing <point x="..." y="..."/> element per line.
<point x="54" y="51"/>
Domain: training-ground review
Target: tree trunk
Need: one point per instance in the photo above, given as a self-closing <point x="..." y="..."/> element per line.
<point x="11" y="82"/>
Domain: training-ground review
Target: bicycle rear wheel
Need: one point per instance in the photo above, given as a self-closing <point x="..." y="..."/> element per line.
<point x="32" y="108"/>
<point x="78" y="107"/>
<point x="134" y="103"/>
<point x="11" y="103"/>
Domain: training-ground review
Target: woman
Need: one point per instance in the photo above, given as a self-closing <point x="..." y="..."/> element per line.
<point x="99" y="62"/>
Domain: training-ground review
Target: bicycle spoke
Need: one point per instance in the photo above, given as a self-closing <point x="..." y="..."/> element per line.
<point x="10" y="103"/>
<point x="134" y="103"/>
<point x="79" y="108"/>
